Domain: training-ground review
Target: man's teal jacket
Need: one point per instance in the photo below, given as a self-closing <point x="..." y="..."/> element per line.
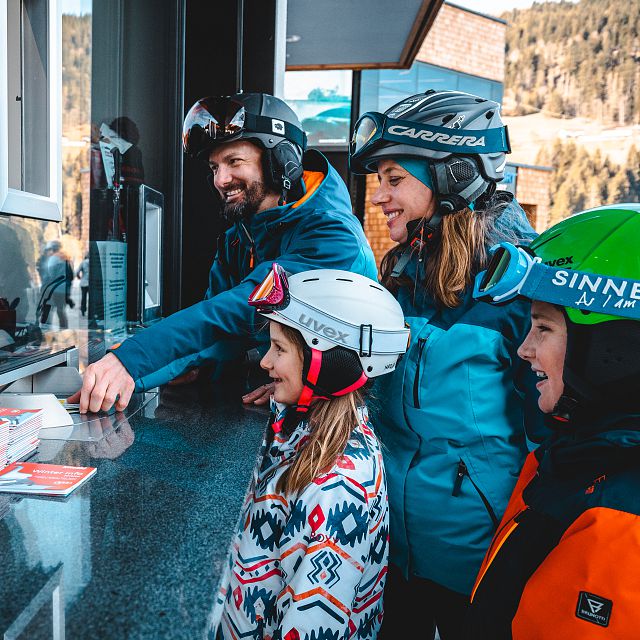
<point x="318" y="231"/>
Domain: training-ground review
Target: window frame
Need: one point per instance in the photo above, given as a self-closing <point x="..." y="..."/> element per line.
<point x="16" y="201"/>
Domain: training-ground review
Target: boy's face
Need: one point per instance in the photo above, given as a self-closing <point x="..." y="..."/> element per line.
<point x="544" y="349"/>
<point x="283" y="361"/>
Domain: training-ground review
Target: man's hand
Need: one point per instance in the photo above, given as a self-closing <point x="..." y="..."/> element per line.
<point x="260" y="395"/>
<point x="104" y="382"/>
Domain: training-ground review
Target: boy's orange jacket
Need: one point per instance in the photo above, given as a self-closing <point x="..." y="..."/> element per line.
<point x="565" y="560"/>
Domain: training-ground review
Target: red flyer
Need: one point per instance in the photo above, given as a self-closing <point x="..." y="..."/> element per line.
<point x="43" y="479"/>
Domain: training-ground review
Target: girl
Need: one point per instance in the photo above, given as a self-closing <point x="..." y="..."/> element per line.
<point x="452" y="420"/>
<point x="564" y="561"/>
<point x="310" y="558"/>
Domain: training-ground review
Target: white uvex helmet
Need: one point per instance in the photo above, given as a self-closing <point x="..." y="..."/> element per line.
<point x="333" y="308"/>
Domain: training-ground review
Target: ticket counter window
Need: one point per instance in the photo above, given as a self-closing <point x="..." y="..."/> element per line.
<point x="105" y="142"/>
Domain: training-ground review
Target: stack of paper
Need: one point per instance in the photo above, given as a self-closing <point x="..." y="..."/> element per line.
<point x="23" y="426"/>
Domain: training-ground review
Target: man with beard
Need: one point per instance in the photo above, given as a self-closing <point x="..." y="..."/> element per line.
<point x="280" y="206"/>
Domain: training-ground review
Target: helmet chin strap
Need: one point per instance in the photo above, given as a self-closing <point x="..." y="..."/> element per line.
<point x="579" y="399"/>
<point x="420" y="233"/>
<point x="307" y="396"/>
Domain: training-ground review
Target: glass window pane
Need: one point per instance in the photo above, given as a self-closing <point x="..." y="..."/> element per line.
<point x="28" y="63"/>
<point x="322" y="101"/>
<point x="35" y="96"/>
<point x="14" y="96"/>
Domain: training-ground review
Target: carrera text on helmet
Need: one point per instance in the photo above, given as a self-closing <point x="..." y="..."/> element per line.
<point x="432" y="136"/>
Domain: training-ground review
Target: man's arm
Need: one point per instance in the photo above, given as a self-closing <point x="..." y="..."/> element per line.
<point x="219" y="327"/>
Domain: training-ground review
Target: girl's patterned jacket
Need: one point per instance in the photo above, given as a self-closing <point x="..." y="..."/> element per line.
<point x="312" y="565"/>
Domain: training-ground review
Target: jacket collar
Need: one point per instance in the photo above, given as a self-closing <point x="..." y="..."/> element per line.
<point x="286" y="444"/>
<point x="597" y="446"/>
<point x="316" y="178"/>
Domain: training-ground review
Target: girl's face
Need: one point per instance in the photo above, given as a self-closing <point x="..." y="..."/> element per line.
<point x="402" y="198"/>
<point x="544" y="349"/>
<point x="283" y="361"/>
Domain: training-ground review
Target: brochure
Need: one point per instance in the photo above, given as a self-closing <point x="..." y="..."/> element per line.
<point x="19" y="430"/>
<point x="43" y="479"/>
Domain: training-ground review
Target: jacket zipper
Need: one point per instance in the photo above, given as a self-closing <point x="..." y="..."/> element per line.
<point x="462" y="471"/>
<point x="251" y="245"/>
<point x="416" y="380"/>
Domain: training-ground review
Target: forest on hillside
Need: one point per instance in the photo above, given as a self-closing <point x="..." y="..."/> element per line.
<point x="575" y="59"/>
<point x="582" y="180"/>
<point x="76" y="71"/>
<point x="578" y="59"/>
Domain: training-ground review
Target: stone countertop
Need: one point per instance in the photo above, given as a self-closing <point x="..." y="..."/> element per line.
<point x="139" y="549"/>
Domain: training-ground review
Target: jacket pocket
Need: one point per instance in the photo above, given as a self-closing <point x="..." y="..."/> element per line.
<point x="416" y="378"/>
<point x="461" y="472"/>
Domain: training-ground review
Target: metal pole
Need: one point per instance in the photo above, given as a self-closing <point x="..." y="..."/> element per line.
<point x="239" y="43"/>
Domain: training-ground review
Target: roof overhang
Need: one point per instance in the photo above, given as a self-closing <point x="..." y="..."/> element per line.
<point x="356" y="34"/>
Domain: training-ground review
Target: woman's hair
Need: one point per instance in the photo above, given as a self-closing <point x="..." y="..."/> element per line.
<point x="462" y="250"/>
<point x="331" y="423"/>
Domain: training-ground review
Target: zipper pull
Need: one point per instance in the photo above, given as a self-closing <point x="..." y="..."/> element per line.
<point x="251" y="258"/>
<point x="461" y="473"/>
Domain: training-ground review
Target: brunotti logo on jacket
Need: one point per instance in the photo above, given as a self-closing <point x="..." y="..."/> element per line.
<point x="594" y="608"/>
<point x="432" y="136"/>
<point x="321" y="327"/>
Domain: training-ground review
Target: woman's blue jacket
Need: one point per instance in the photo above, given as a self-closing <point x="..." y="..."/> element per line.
<point x="452" y="420"/>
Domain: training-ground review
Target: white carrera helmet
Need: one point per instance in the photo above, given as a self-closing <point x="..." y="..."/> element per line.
<point x="333" y="308"/>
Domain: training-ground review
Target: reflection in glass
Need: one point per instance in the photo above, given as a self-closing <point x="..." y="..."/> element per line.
<point x="322" y="101"/>
<point x="382" y="88"/>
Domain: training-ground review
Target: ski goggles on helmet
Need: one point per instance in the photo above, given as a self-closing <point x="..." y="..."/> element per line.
<point x="215" y="120"/>
<point x="373" y="129"/>
<point x="273" y="299"/>
<point x="272" y="294"/>
<point x="513" y="272"/>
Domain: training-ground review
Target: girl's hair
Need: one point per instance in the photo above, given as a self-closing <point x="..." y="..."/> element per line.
<point x="331" y="422"/>
<point x="461" y="251"/>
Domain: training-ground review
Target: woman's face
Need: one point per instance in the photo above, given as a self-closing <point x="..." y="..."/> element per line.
<point x="544" y="349"/>
<point x="402" y="198"/>
<point x="283" y="361"/>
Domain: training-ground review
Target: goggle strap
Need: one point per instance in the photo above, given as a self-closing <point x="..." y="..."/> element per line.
<point x="303" y="317"/>
<point x="588" y="292"/>
<point x="263" y="124"/>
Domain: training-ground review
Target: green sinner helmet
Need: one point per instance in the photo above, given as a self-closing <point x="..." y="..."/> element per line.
<point x="605" y="241"/>
<point x="602" y="362"/>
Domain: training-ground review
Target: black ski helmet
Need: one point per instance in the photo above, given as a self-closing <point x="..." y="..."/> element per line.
<point x="258" y="117"/>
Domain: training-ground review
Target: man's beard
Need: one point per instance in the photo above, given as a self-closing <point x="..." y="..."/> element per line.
<point x="253" y="196"/>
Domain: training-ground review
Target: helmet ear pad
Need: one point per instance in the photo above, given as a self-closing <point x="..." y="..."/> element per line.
<point x="602" y="365"/>
<point x="283" y="164"/>
<point x="339" y="370"/>
<point x="458" y="182"/>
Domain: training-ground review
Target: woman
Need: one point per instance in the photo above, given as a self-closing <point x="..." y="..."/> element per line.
<point x="310" y="556"/>
<point x="452" y="420"/>
<point x="563" y="562"/>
